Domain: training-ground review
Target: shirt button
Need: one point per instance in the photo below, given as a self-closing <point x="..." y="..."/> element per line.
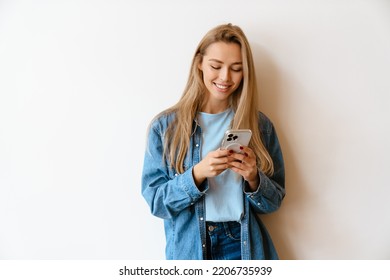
<point x="201" y="218"/>
<point x="197" y="145"/>
<point x="211" y="228"/>
<point x="176" y="174"/>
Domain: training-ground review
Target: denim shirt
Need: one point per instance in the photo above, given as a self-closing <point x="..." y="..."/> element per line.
<point x="175" y="197"/>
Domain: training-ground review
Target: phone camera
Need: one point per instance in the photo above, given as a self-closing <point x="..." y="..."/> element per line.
<point x="232" y="137"/>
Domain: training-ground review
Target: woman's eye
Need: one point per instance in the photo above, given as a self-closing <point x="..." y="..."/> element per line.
<point x="215" y="67"/>
<point x="237" y="69"/>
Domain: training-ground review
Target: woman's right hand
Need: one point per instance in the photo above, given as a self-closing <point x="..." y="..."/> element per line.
<point x="212" y="165"/>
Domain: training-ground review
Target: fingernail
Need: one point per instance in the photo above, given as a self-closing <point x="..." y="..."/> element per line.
<point x="230" y="151"/>
<point x="241" y="147"/>
<point x="245" y="154"/>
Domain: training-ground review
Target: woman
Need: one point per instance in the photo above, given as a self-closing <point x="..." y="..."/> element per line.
<point x="209" y="197"/>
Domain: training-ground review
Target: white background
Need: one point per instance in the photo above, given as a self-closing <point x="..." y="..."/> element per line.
<point x="80" y="80"/>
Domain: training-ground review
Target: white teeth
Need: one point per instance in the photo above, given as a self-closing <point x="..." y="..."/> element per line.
<point x="221" y="86"/>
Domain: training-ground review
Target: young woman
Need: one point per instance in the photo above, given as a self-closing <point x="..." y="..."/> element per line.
<point x="207" y="196"/>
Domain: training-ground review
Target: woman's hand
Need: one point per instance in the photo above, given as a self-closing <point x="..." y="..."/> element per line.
<point x="212" y="165"/>
<point x="245" y="165"/>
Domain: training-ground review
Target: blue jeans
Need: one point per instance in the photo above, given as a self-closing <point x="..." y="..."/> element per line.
<point x="223" y="241"/>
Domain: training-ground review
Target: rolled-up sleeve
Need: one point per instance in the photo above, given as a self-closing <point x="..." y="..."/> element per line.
<point x="167" y="194"/>
<point x="271" y="190"/>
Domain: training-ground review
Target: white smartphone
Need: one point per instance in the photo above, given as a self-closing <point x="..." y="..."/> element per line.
<point x="234" y="138"/>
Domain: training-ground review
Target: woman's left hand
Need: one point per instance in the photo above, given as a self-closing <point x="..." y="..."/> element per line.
<point x="245" y="164"/>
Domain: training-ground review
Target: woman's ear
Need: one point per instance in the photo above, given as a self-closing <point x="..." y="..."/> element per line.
<point x="200" y="61"/>
<point x="200" y="66"/>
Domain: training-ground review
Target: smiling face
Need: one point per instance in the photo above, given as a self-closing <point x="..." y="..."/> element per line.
<point x="222" y="74"/>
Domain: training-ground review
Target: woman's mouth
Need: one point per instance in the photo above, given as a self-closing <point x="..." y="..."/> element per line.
<point x="221" y="87"/>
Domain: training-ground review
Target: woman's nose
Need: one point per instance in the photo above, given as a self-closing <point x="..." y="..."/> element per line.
<point x="224" y="75"/>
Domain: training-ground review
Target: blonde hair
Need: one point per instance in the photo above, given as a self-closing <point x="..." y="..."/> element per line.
<point x="243" y="101"/>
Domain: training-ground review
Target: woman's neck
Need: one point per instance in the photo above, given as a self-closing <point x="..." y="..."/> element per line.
<point x="214" y="108"/>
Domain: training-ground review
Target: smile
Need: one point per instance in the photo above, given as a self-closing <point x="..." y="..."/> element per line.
<point x="221" y="86"/>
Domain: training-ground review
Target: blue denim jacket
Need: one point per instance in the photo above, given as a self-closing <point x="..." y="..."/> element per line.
<point x="176" y="198"/>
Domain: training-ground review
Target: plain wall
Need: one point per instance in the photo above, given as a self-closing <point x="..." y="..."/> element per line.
<point x="80" y="81"/>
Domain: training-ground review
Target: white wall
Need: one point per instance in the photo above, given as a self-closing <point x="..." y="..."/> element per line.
<point x="80" y="81"/>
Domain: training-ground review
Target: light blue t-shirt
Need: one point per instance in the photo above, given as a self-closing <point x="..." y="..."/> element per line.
<point x="224" y="199"/>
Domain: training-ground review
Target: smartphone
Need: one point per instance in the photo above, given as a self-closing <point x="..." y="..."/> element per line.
<point x="234" y="138"/>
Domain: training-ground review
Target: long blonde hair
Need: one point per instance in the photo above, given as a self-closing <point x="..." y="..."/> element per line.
<point x="243" y="101"/>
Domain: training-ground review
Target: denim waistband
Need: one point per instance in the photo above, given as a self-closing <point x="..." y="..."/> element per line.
<point x="232" y="223"/>
<point x="212" y="226"/>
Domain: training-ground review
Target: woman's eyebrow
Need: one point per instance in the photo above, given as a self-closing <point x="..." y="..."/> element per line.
<point x="218" y="61"/>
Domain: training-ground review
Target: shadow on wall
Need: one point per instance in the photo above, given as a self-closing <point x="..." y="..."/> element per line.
<point x="283" y="225"/>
